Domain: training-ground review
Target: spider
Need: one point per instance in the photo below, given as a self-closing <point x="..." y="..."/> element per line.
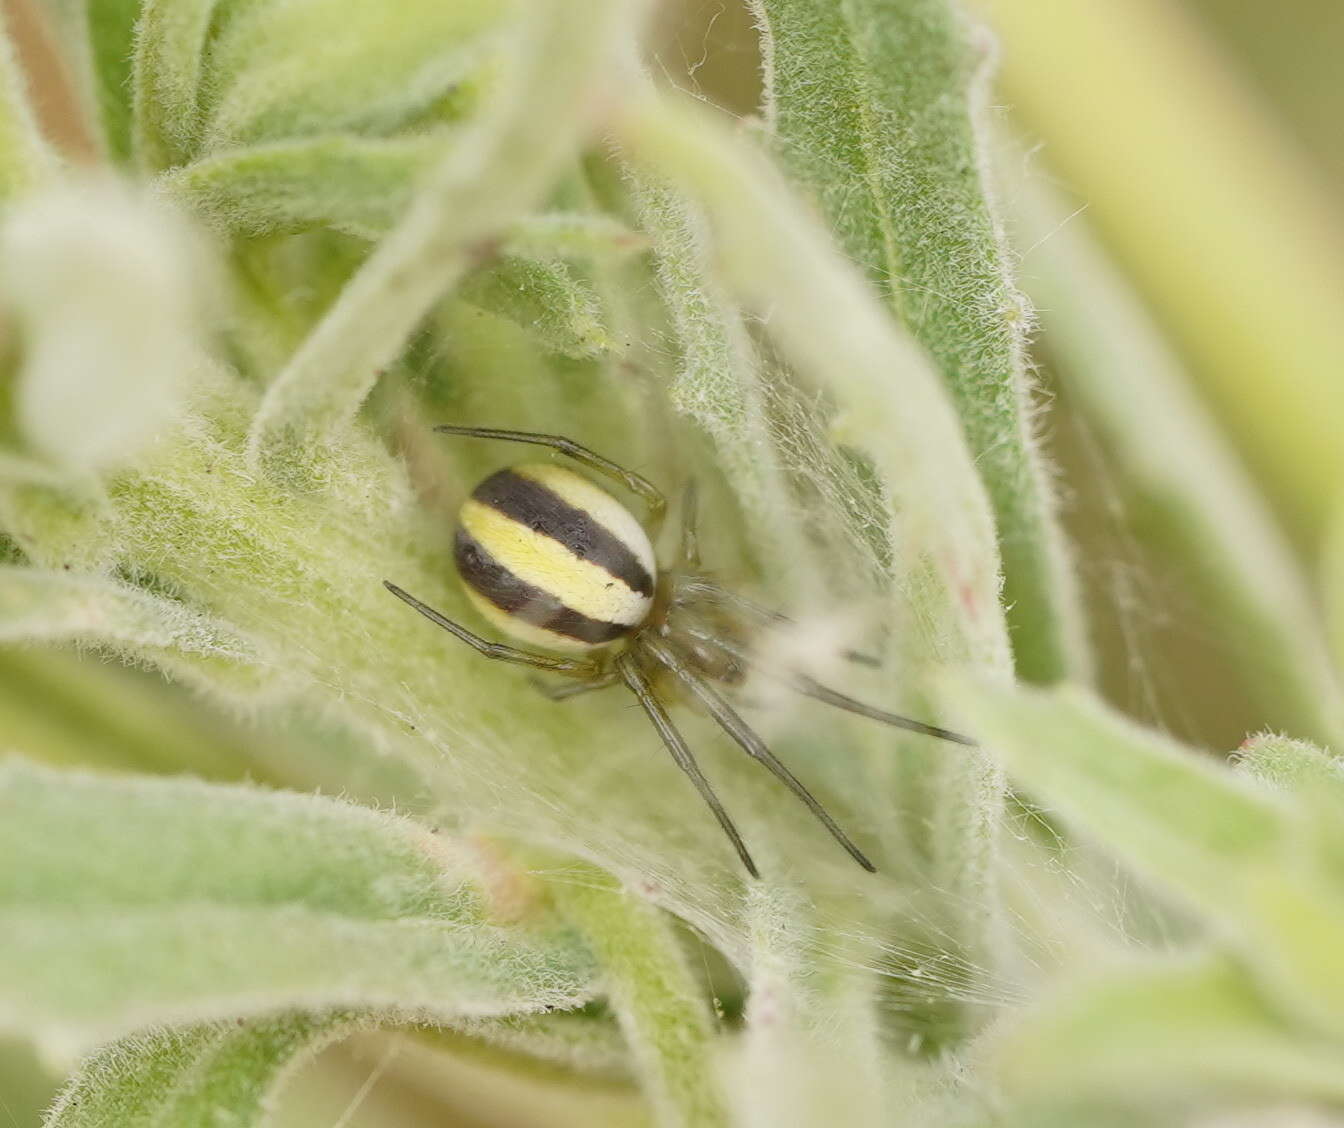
<point x="554" y="560"/>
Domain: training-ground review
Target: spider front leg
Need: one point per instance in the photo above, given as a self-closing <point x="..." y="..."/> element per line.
<point x="572" y="667"/>
<point x="641" y="487"/>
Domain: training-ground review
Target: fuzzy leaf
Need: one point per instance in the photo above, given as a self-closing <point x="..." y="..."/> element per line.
<point x="362" y="185"/>
<point x="586" y="1041"/>
<point x="1248" y="860"/>
<point x="68" y="710"/>
<point x="659" y="1005"/>
<point x="58" y="519"/>
<point x="170" y="45"/>
<point x="577" y="235"/>
<point x="57" y="516"/>
<point x="279" y="71"/>
<point x="356" y="184"/>
<point x="1312" y="776"/>
<point x="129" y="902"/>
<point x="1164" y="1029"/>
<point x="55" y="607"/>
<point x="547" y="299"/>
<point x="1294" y="765"/>
<point x="875" y="107"/>
<point x="222" y="1072"/>
<point x="720" y="377"/>
<point x="781" y="264"/>
<point x="504" y="160"/>
<point x="811" y="1050"/>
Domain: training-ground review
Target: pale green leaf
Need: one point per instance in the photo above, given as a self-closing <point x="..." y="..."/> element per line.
<point x="58" y="519"/>
<point x="1247" y="859"/>
<point x="1312" y="776"/>
<point x="216" y="1073"/>
<point x="811" y="1052"/>
<point x="578" y="235"/>
<point x="1294" y="765"/>
<point x="127" y="902"/>
<point x="548" y="299"/>
<point x="657" y="1001"/>
<point x="875" y="108"/>
<point x="286" y="70"/>
<point x="781" y="264"/>
<point x="41" y="606"/>
<point x="1167" y="1028"/>
<point x="720" y="378"/>
<point x="361" y="185"/>
<point x="503" y="162"/>
<point x="356" y="184"/>
<point x="69" y="710"/>
<point x="170" y="46"/>
<point x="586" y="1041"/>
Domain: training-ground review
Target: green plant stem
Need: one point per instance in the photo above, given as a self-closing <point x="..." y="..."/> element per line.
<point x="1192" y="498"/>
<point x="500" y="166"/>
<point x="660" y="1006"/>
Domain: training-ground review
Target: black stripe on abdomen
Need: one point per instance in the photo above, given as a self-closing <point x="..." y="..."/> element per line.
<point x="495" y="583"/>
<point x="532" y="504"/>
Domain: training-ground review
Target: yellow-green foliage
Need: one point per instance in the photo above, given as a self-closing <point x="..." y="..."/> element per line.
<point x="324" y="227"/>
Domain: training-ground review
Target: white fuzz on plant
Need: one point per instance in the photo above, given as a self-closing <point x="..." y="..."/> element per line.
<point x="105" y="287"/>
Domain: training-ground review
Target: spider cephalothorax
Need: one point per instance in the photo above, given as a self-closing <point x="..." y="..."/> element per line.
<point x="556" y="561"/>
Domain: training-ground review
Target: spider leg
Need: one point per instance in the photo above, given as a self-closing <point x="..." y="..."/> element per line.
<point x="747" y="739"/>
<point x="703" y="588"/>
<point x="676" y="744"/>
<point x="574" y="667"/>
<point x="641" y="487"/>
<point x="810" y="687"/>
<point x="565" y="690"/>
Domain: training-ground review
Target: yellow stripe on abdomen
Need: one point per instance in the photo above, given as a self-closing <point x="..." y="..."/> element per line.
<point x="547" y="564"/>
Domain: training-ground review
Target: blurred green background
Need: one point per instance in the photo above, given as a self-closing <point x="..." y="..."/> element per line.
<point x="1202" y="140"/>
